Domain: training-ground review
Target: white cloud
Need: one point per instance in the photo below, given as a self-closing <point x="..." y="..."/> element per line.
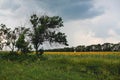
<point x="17" y="12"/>
<point x="100" y="29"/>
<point x="86" y="38"/>
<point x="111" y="32"/>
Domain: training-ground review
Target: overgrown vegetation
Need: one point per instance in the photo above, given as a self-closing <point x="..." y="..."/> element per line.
<point x="59" y="67"/>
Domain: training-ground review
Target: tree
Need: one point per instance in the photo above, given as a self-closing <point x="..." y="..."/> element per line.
<point x="80" y="48"/>
<point x="4" y="32"/>
<point x="116" y="47"/>
<point x="14" y="35"/>
<point x="21" y="44"/>
<point x="46" y="29"/>
<point x="107" y="47"/>
<point x="11" y="38"/>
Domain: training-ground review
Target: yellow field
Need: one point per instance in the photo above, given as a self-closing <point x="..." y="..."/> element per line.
<point x="80" y="53"/>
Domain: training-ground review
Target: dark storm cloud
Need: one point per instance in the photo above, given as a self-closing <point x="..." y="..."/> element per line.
<point x="67" y="9"/>
<point x="72" y="9"/>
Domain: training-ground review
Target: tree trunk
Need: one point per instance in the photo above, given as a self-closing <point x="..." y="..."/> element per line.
<point x="36" y="50"/>
<point x="12" y="49"/>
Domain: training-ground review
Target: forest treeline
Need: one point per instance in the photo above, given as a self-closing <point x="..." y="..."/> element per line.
<point x="83" y="48"/>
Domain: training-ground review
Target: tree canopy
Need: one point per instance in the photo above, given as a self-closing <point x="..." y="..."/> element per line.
<point x="46" y="29"/>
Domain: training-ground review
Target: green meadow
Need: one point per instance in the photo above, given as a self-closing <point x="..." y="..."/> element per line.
<point x="59" y="67"/>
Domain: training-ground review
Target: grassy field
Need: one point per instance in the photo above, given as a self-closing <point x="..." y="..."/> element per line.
<point x="61" y="66"/>
<point x="83" y="53"/>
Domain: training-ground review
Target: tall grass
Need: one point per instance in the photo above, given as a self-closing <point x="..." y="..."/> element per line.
<point x="60" y="67"/>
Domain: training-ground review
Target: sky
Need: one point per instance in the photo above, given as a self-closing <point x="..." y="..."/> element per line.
<point x="86" y="22"/>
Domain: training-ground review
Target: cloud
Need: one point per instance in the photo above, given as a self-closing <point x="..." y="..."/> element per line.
<point x="86" y="32"/>
<point x="17" y="12"/>
<point x="86" y="21"/>
<point x="72" y="9"/>
<point x="99" y="29"/>
<point x="8" y="4"/>
<point x="86" y="38"/>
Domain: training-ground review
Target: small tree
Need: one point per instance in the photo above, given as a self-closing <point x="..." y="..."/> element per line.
<point x="12" y="37"/>
<point x="21" y="44"/>
<point x="4" y="32"/>
<point x="46" y="29"/>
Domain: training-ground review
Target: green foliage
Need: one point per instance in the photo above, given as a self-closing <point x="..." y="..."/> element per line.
<point x="44" y="30"/>
<point x="21" y="44"/>
<point x="4" y="29"/>
<point x="11" y="39"/>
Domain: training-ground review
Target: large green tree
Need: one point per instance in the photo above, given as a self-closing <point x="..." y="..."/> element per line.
<point x="46" y="29"/>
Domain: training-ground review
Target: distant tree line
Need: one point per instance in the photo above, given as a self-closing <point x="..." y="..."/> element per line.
<point x="96" y="47"/>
